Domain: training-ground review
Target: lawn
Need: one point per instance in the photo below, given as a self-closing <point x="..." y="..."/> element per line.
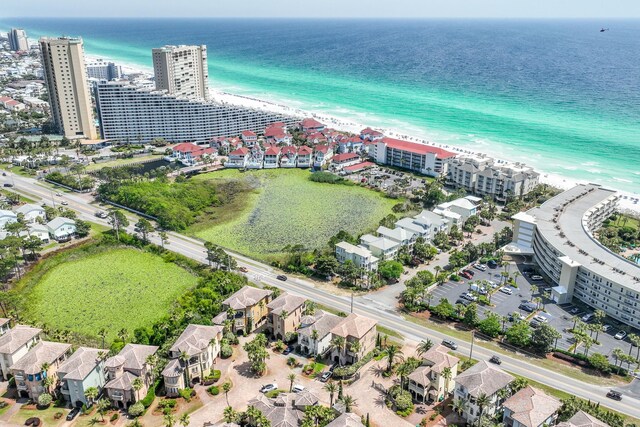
<point x="46" y="415"/>
<point x="283" y="207"/>
<point x="93" y="287"/>
<point x="121" y="162"/>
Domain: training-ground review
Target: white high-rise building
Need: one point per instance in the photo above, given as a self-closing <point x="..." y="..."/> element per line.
<point x="66" y="77"/>
<point x="182" y="70"/>
<point x="18" y="40"/>
<point x="103" y="70"/>
<point x="133" y="114"/>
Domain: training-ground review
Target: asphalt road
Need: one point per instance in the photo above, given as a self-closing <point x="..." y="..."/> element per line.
<point x="383" y="313"/>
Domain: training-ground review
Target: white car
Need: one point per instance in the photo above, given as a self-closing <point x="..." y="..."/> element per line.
<point x="297" y="388"/>
<point x="506" y="290"/>
<point x="536" y="278"/>
<point x="620" y="335"/>
<point x="269" y="387"/>
<point x="606" y="328"/>
<point x="540" y="319"/>
<point x="492" y="284"/>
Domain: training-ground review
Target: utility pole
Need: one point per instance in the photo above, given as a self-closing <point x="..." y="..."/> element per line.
<point x="473" y="335"/>
<point x="351" y="301"/>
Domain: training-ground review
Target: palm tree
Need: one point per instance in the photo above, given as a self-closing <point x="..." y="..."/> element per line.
<point x="518" y="384"/>
<point x="482" y="402"/>
<point x="184" y="359"/>
<point x="93" y="421"/>
<point x="230" y="415"/>
<point x="91" y="393"/>
<point x="331" y="388"/>
<point x="354" y="347"/>
<point x="618" y="354"/>
<point x="137" y="386"/>
<point x="424" y="346"/>
<point x="123" y="334"/>
<point x="169" y="420"/>
<point x="102" y="333"/>
<point x="338" y="343"/>
<point x="226" y="387"/>
<point x="403" y="370"/>
<point x="348" y="402"/>
<point x="184" y="420"/>
<point x="446" y="374"/>
<point x="458" y="406"/>
<point x="392" y="353"/>
<point x="291" y="377"/>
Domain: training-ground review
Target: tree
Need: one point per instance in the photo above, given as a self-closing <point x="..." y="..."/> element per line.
<point x="490" y="325"/>
<point x="118" y="221"/>
<point x="331" y="388"/>
<point x="600" y="362"/>
<point x="103" y="407"/>
<point x="471" y="314"/>
<point x="257" y="353"/>
<point x="184" y="420"/>
<point x="444" y="309"/>
<point x="447" y="375"/>
<point x="390" y="269"/>
<point x="291" y="377"/>
<point x="137" y="385"/>
<point x="144" y="227"/>
<point x="393" y="353"/>
<point x="326" y="265"/>
<point x="184" y="358"/>
<point x="349" y="402"/>
<point x="424" y="346"/>
<point x="518" y="384"/>
<point x="91" y="393"/>
<point x="164" y="239"/>
<point x="458" y="406"/>
<point x="230" y="415"/>
<point x="169" y="420"/>
<point x="544" y="337"/>
<point x="339" y="343"/>
<point x="226" y="387"/>
<point x="519" y="334"/>
<point x="44" y="400"/>
<point x="482" y="401"/>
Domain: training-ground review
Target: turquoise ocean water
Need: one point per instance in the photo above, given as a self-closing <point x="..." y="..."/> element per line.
<point x="559" y="95"/>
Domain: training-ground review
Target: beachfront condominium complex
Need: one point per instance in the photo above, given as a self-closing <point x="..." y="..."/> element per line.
<point x="559" y="235"/>
<point x="103" y="70"/>
<point x="129" y="113"/>
<point x="18" y="40"/>
<point x="484" y="176"/>
<point x="66" y="77"/>
<point x="182" y="70"/>
<point x="421" y="158"/>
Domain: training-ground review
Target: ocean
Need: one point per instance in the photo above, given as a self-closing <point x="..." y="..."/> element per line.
<point x="559" y="95"/>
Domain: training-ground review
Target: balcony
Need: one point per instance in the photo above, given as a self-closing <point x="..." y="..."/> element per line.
<point x="21" y="386"/>
<point x="117" y="396"/>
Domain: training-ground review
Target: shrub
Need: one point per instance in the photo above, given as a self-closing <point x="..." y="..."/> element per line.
<point x="168" y="403"/>
<point x="214" y="390"/>
<point x="186" y="393"/>
<point x="454" y="277"/>
<point x="279" y="346"/>
<point x="216" y="374"/>
<point x="151" y="395"/>
<point x="58" y="415"/>
<point x="114" y="417"/>
<point x="226" y="351"/>
<point x="232" y="338"/>
<point x="44" y="399"/>
<point x="347" y="371"/>
<point x="136" y="409"/>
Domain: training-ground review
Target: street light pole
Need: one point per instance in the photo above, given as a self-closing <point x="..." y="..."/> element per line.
<point x="473" y="335"/>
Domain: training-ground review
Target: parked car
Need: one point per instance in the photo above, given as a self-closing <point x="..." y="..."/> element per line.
<point x="539" y="318"/>
<point x="605" y="328"/>
<point x="480" y="267"/>
<point x="588" y="317"/>
<point x="281" y="277"/>
<point x="297" y="388"/>
<point x="451" y="344"/>
<point x="506" y="290"/>
<point x="466" y="275"/>
<point x="516" y="316"/>
<point x="529" y="307"/>
<point x="72" y="414"/>
<point x="325" y="376"/>
<point x="492" y="264"/>
<point x="269" y="387"/>
<point x="469" y="296"/>
<point x="615" y="395"/>
<point x="288" y="350"/>
<point x="492" y="284"/>
<point x="464" y="302"/>
<point x="574" y="310"/>
<point x="620" y="335"/>
<point x="495" y="359"/>
<point x="7" y="184"/>
<point x="536" y="278"/>
<point x="471" y="272"/>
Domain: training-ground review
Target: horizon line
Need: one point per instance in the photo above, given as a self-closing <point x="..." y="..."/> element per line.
<point x="386" y="18"/>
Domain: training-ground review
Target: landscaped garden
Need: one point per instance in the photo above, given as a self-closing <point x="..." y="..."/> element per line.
<point x="280" y="208"/>
<point x="97" y="286"/>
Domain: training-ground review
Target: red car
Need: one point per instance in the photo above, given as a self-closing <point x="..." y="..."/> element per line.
<point x="466" y="275"/>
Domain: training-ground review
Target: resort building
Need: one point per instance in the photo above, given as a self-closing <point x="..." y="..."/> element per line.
<point x="559" y="235"/>
<point x="40" y="362"/>
<point x="61" y="228"/>
<point x="82" y="370"/>
<point x="31" y="212"/>
<point x="484" y="176"/>
<point x="66" y="77"/>
<point x="360" y="256"/>
<point x="18" y="41"/>
<point x="314" y="333"/>
<point x="530" y="407"/>
<point x="181" y="70"/>
<point x="122" y="371"/>
<point x="249" y="306"/>
<point x="14" y="344"/>
<point x="481" y="379"/>
<point x="359" y="334"/>
<point x="421" y="158"/>
<point x="193" y="356"/>
<point x="434" y="380"/>
<point x="129" y="113"/>
<point x="285" y="313"/>
<point x="339" y="161"/>
<point x="102" y="70"/>
<point x="380" y="247"/>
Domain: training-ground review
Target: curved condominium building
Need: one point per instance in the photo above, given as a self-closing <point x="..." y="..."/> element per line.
<point x="559" y="236"/>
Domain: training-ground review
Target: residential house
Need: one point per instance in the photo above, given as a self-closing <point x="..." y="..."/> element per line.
<point x="482" y="379"/>
<point x="14" y="344"/>
<point x="311" y="125"/>
<point x="314" y="333"/>
<point x="249" y="307"/>
<point x="359" y="334"/>
<point x="371" y="135"/>
<point x="61" y="228"/>
<point x="238" y="158"/>
<point x="38" y="230"/>
<point x="255" y="160"/>
<point x="40" y="362"/>
<point x="360" y="256"/>
<point x="421" y="158"/>
<point x="271" y="157"/>
<point x="289" y="157"/>
<point x="249" y="138"/>
<point x="305" y="156"/>
<point x="436" y="222"/>
<point x="191" y="154"/>
<point x="82" y="370"/>
<point x="5" y="325"/>
<point x="464" y="206"/>
<point x="316" y="138"/>
<point x="346" y="419"/>
<point x="400" y="235"/>
<point x="381" y="247"/>
<point x="454" y="218"/>
<point x="284" y="316"/>
<point x="339" y="161"/>
<point x="277" y="132"/>
<point x="429" y="382"/>
<point x="419" y="228"/>
<point x="7" y="217"/>
<point x="530" y="407"/>
<point x="286" y="410"/>
<point x="582" y="419"/>
<point x="122" y="371"/>
<point x="200" y="346"/>
<point x="31" y="212"/>
<point x="322" y="155"/>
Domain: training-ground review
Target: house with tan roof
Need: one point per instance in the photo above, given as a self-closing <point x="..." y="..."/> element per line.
<point x="530" y="407"/>
<point x="249" y="306"/>
<point x="41" y="362"/>
<point x="193" y="356"/>
<point x="582" y="419"/>
<point x="314" y="333"/>
<point x="359" y="333"/>
<point x="14" y="344"/>
<point x="123" y="369"/>
<point x="284" y="316"/>
<point x="286" y="410"/>
<point x="346" y="419"/>
<point x="434" y="380"/>
<point x="481" y="379"/>
<point x="82" y="370"/>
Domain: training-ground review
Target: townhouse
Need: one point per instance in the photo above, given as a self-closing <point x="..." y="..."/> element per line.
<point x="360" y="256"/>
<point x="249" y="309"/>
<point x="305" y="157"/>
<point x="359" y="335"/>
<point x="249" y="138"/>
<point x="399" y="235"/>
<point x="61" y="228"/>
<point x="322" y="155"/>
<point x="82" y="370"/>
<point x="193" y="356"/>
<point x="381" y="247"/>
<point x="122" y="371"/>
<point x="284" y="316"/>
<point x="14" y="344"/>
<point x="255" y="160"/>
<point x="435" y="379"/>
<point x="272" y="157"/>
<point x="289" y="156"/>
<point x="238" y="158"/>
<point x="40" y="362"/>
<point x="530" y="407"/>
<point x="314" y="333"/>
<point x="482" y="379"/>
<point x="31" y="212"/>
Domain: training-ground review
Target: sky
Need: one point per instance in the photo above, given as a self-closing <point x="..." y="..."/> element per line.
<point x="325" y="8"/>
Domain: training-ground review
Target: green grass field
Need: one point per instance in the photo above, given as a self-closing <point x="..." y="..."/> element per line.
<point x="282" y="207"/>
<point x="91" y="287"/>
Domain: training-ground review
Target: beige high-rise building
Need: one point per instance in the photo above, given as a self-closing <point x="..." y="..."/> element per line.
<point x="182" y="70"/>
<point x="66" y="77"/>
<point x="18" y="40"/>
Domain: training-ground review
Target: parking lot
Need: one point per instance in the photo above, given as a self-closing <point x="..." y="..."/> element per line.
<point x="560" y="317"/>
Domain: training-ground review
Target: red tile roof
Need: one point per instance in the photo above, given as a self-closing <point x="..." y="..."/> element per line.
<point x="322" y="148"/>
<point x="311" y="123"/>
<point x="289" y="149"/>
<point x="240" y="151"/>
<point x="345" y="157"/>
<point x="272" y="150"/>
<point x="248" y="133"/>
<point x="186" y="147"/>
<point x="359" y="166"/>
<point x="370" y="132"/>
<point x="416" y="148"/>
<point x="304" y="150"/>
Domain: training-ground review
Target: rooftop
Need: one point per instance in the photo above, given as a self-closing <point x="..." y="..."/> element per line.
<point x="531" y="407"/>
<point x="15" y="338"/>
<point x="248" y="296"/>
<point x="59" y="222"/>
<point x="417" y="148"/>
<point x="483" y="378"/>
<point x="358" y="250"/>
<point x="346" y="419"/>
<point x="320" y="321"/>
<point x="132" y="356"/>
<point x="399" y="234"/>
<point x="355" y="326"/>
<point x="285" y="302"/>
<point x="41" y="353"/>
<point x="582" y="419"/>
<point x="81" y="363"/>
<point x="195" y="339"/>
